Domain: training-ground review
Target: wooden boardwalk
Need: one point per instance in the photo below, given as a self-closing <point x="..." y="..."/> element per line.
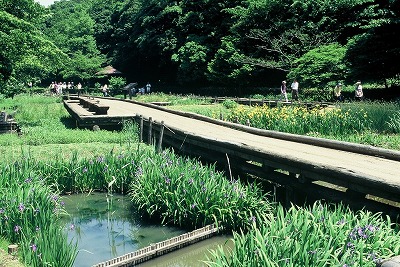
<point x="337" y="171"/>
<point x="161" y="248"/>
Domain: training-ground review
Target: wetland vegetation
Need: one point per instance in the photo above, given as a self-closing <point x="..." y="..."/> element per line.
<point x="52" y="158"/>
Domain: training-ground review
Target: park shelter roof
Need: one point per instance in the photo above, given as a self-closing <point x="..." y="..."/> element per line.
<point x="109" y="70"/>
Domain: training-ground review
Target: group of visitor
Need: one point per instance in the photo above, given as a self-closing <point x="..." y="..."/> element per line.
<point x="337" y="91"/>
<point x="145" y="90"/>
<point x="132" y="91"/>
<point x="59" y="88"/>
<point x="359" y="95"/>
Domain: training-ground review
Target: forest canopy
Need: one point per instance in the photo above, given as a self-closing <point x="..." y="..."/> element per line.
<point x="201" y="43"/>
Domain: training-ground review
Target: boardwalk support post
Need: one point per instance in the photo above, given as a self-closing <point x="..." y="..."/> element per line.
<point x="150" y="131"/>
<point x="141" y="128"/>
<point x="159" y="145"/>
<point x="289" y="196"/>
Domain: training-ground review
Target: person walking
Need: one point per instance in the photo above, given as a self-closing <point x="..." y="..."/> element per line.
<point x="148" y="87"/>
<point x="105" y="89"/>
<point x="283" y="91"/>
<point x="359" y="95"/>
<point x="295" y="90"/>
<point x="337" y="92"/>
<point x="79" y="88"/>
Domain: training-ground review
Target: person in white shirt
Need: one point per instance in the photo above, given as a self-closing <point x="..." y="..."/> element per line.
<point x="359" y="95"/>
<point x="78" y="88"/>
<point x="105" y="90"/>
<point x="295" y="90"/>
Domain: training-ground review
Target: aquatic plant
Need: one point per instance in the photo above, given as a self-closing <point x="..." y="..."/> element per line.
<point x="29" y="216"/>
<point x="321" y="235"/>
<point x="185" y="192"/>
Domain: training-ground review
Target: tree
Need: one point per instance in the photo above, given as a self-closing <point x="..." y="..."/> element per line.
<point x="192" y="59"/>
<point x="72" y="29"/>
<point x="373" y="54"/>
<point x="117" y="83"/>
<point x="226" y="67"/>
<point x="273" y="34"/>
<point x="106" y="15"/>
<point x="25" y="54"/>
<point x="320" y="66"/>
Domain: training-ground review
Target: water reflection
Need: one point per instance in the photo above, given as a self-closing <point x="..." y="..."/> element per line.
<point x="106" y="227"/>
<point x="191" y="256"/>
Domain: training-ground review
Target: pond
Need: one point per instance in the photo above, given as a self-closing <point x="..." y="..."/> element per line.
<point x="106" y="227"/>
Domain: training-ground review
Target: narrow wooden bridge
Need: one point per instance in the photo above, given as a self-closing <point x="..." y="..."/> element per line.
<point x="295" y="167"/>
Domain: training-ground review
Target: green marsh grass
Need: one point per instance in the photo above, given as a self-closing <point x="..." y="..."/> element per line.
<point x="29" y="216"/>
<point x="193" y="195"/>
<point x="319" y="236"/>
<point x="173" y="99"/>
<point x="211" y="110"/>
<point x="44" y="121"/>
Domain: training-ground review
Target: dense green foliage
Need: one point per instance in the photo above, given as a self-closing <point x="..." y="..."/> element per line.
<point x="26" y="55"/>
<point x="321" y="235"/>
<point x="70" y="27"/>
<point x="235" y="44"/>
<point x="30" y="216"/>
<point x="191" y="195"/>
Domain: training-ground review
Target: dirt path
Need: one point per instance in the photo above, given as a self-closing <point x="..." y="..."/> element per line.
<point x="7" y="260"/>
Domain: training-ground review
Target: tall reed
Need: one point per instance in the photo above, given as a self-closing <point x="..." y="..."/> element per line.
<point x="321" y="235"/>
<point x="29" y="216"/>
<point x="191" y="195"/>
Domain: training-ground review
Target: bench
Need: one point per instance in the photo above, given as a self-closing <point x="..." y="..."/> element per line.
<point x="94" y="106"/>
<point x="161" y="103"/>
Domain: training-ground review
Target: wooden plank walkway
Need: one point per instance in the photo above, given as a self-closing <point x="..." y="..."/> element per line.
<point x="356" y="170"/>
<point x="161" y="248"/>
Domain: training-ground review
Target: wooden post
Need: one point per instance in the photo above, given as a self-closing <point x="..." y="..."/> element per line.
<point x="221" y="116"/>
<point x="150" y="131"/>
<point x="250" y="101"/>
<point x="355" y="195"/>
<point x="161" y="137"/>
<point x="303" y="179"/>
<point x="248" y="122"/>
<point x="288" y="196"/>
<point x="12" y="249"/>
<point x="141" y="128"/>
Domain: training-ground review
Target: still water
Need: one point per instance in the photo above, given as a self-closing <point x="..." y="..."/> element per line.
<point x="106" y="227"/>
